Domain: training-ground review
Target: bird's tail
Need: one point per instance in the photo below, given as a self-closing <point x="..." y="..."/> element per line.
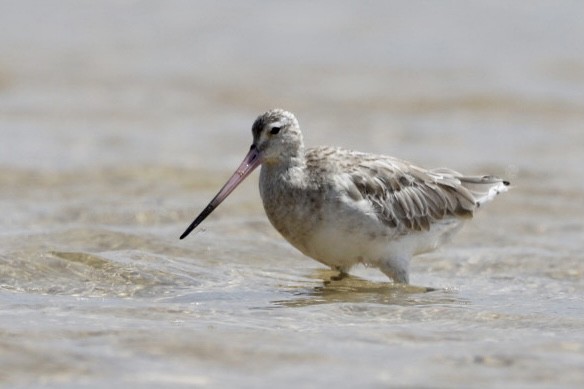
<point x="484" y="188"/>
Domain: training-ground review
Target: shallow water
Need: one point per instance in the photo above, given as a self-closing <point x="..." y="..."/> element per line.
<point x="120" y="120"/>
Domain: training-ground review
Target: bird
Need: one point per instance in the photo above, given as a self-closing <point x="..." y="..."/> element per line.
<point x="343" y="207"/>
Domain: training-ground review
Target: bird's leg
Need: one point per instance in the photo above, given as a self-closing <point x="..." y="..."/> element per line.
<point x="397" y="269"/>
<point x="342" y="274"/>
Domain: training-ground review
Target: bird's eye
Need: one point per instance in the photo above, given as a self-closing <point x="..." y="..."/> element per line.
<point x="275" y="130"/>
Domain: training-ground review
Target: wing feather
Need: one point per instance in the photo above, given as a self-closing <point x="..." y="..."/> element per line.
<point x="407" y="197"/>
<point x="402" y="195"/>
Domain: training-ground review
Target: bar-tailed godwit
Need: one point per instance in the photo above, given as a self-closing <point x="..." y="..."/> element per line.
<point x="344" y="207"/>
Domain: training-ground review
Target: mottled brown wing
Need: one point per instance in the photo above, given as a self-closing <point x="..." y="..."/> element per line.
<point x="407" y="197"/>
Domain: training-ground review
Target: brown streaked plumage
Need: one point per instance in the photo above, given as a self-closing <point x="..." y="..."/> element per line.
<point x="343" y="207"/>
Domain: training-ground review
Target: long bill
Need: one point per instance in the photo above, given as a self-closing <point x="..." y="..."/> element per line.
<point x="250" y="162"/>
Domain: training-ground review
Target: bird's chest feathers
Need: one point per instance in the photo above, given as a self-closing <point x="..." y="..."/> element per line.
<point x="291" y="206"/>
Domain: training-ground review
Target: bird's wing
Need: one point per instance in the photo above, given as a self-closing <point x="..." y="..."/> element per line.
<point x="403" y="196"/>
<point x="410" y="198"/>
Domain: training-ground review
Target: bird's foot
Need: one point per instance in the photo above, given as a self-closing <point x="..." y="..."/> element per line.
<point x="339" y="276"/>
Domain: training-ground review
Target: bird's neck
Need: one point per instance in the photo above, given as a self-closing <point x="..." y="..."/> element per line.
<point x="291" y="159"/>
<point x="283" y="174"/>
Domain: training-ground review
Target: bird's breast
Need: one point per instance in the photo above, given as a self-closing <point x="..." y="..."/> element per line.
<point x="292" y="206"/>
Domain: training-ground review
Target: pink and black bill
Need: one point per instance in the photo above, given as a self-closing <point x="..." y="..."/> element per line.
<point x="250" y="162"/>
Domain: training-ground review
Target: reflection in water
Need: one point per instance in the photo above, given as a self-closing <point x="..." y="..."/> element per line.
<point x="353" y="289"/>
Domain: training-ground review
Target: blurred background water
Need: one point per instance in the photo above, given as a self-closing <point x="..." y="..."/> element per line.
<point x="119" y="120"/>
